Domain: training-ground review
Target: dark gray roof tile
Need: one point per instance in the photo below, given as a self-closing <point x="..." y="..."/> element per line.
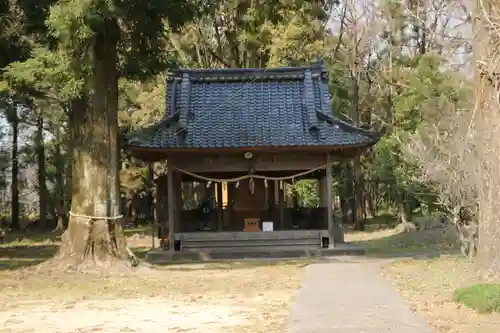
<point x="249" y="108"/>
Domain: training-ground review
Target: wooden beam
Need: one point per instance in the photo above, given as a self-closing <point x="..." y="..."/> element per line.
<point x="329" y="208"/>
<point x="171" y="205"/>
<point x="260" y="162"/>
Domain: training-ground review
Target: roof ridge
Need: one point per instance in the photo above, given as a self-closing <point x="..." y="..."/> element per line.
<point x="233" y="74"/>
<point x="245" y="70"/>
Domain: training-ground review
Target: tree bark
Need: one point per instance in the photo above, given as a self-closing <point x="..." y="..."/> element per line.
<point x="40" y="155"/>
<point x="358" y="195"/>
<point x="486" y="92"/>
<point x="14" y="123"/>
<point x="370" y="202"/>
<point x="59" y="164"/>
<point x="345" y="192"/>
<point x="95" y="234"/>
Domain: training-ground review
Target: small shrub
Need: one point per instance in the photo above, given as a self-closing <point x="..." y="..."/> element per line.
<point x="483" y="298"/>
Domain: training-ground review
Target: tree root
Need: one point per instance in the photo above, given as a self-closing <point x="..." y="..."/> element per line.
<point x="93" y="246"/>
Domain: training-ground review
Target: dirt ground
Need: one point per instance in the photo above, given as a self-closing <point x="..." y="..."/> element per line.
<point x="234" y="297"/>
<point x="237" y="297"/>
<point x="429" y="286"/>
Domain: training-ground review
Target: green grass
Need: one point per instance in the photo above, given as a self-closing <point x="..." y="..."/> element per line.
<point x="140" y="252"/>
<point x="483" y="298"/>
<point x="14" y="256"/>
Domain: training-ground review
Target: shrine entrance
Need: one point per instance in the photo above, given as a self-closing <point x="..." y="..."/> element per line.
<point x="235" y="140"/>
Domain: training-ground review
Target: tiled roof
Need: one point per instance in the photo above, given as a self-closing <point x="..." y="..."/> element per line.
<point x="230" y="108"/>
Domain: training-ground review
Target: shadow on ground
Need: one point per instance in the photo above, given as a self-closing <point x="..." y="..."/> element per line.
<point x="389" y="243"/>
<point x="31" y="247"/>
<point x="23" y="256"/>
<point x="20" y="256"/>
<point x="236" y="264"/>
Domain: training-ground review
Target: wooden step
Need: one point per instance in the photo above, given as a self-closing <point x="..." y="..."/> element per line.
<point x="251" y="243"/>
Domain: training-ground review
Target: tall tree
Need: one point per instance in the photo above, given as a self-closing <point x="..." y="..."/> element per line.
<point x="486" y="120"/>
<point x="105" y="40"/>
<point x="41" y="171"/>
<point x="254" y="34"/>
<point x="12" y="113"/>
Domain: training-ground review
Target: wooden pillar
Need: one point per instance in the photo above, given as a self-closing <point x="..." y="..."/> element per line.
<point x="276" y="193"/>
<point x="171" y="205"/>
<point x="178" y="200"/>
<point x="230" y="205"/>
<point x="323" y="197"/>
<point x="329" y="208"/>
<point x="149" y="193"/>
<point x="219" y="206"/>
<point x="281" y="203"/>
<point x="211" y="193"/>
<point x="161" y="206"/>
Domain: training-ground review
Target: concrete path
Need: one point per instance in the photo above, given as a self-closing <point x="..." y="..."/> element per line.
<point x="349" y="295"/>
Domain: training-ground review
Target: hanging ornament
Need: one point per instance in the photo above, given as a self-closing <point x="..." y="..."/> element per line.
<point x="237" y="184"/>
<point x="265" y="183"/>
<point x="252" y="185"/>
<point x="209" y="183"/>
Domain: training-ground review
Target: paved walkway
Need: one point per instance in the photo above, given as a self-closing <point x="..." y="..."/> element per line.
<point x="349" y="295"/>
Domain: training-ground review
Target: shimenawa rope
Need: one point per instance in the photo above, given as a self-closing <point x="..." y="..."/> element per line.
<point x="251" y="176"/>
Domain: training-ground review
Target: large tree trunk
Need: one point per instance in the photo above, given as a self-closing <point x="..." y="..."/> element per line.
<point x="345" y="193"/>
<point x="40" y="155"/>
<point x="14" y="123"/>
<point x="95" y="234"/>
<point x="59" y="181"/>
<point x="487" y="119"/>
<point x="371" y="210"/>
<point x="358" y="195"/>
